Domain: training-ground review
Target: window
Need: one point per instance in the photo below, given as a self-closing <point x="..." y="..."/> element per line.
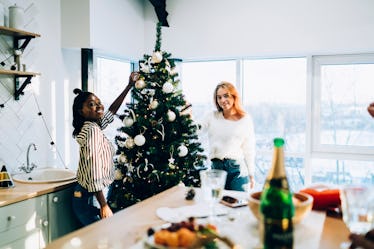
<point x="318" y="104"/>
<point x="199" y="80"/>
<point x="111" y="78"/>
<point x="343" y="89"/>
<point x="274" y="93"/>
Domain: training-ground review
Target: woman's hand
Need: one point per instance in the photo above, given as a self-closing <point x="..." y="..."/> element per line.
<point x="371" y="109"/>
<point x="134" y="76"/>
<point x="105" y="211"/>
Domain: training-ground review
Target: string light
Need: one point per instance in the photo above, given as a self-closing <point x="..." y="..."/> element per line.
<point x="52" y="143"/>
<point x="10" y="97"/>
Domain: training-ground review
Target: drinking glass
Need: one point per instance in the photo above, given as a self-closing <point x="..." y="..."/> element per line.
<point x="212" y="184"/>
<point x="357" y="202"/>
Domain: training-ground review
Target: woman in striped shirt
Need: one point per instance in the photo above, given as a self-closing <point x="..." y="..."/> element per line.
<point x="95" y="169"/>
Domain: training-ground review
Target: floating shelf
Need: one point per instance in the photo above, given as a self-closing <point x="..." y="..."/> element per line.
<point x="18" y="90"/>
<point x="17" y="32"/>
<point x="18" y="35"/>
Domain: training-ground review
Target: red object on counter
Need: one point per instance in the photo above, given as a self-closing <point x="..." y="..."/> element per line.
<point x="323" y="199"/>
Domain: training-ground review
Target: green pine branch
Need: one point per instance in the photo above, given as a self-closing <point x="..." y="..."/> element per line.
<point x="158" y="37"/>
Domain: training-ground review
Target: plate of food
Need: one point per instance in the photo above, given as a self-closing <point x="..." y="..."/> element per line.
<point x="186" y="235"/>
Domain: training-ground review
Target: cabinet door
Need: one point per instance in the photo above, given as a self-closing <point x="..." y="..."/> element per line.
<point x="24" y="223"/>
<point x="61" y="217"/>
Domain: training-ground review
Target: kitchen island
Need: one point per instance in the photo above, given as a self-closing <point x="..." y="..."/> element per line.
<point x="128" y="227"/>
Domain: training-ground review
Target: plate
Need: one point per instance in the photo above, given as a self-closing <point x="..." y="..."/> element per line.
<point x="150" y="243"/>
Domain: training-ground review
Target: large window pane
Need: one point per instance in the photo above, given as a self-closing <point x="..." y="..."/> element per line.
<point x="199" y="80"/>
<point x="112" y="78"/>
<point x="274" y="93"/>
<point x="346" y="91"/>
<point x="339" y="172"/>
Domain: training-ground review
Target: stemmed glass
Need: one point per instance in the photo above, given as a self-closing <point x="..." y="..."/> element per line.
<point x="212" y="183"/>
<point x="357" y="202"/>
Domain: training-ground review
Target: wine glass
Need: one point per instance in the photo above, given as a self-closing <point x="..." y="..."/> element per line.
<point x="357" y="202"/>
<point x="212" y="183"/>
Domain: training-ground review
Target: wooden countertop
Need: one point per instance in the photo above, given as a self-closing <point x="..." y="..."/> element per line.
<point x="24" y="191"/>
<point x="127" y="227"/>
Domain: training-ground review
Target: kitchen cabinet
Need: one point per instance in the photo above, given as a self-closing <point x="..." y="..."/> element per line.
<point x="24" y="224"/>
<point x="35" y="222"/>
<point x="60" y="214"/>
<point x="21" y="39"/>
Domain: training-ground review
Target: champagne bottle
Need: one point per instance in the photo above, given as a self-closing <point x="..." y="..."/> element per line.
<point x="276" y="204"/>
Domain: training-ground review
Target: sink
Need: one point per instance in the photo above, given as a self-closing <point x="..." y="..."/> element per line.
<point x="45" y="175"/>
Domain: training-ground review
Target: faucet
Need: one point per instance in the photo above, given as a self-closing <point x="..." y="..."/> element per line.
<point x="28" y="167"/>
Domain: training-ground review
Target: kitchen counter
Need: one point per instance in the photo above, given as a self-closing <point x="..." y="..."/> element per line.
<point x="24" y="191"/>
<point x="127" y="227"/>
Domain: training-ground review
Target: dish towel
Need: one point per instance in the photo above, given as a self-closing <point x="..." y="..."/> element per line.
<point x="199" y="210"/>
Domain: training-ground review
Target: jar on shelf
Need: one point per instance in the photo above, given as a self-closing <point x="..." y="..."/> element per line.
<point x="2" y="15"/>
<point x="16" y="14"/>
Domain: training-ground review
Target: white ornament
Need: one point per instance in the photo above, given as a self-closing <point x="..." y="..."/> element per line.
<point x="173" y="71"/>
<point x="171" y="116"/>
<point x="156" y="57"/>
<point x="118" y="174"/>
<point x="139" y="140"/>
<point x="122" y="158"/>
<point x="139" y="84"/>
<point x="129" y="143"/>
<point x="167" y="87"/>
<point x="153" y="104"/>
<point x="182" y="151"/>
<point x="128" y="122"/>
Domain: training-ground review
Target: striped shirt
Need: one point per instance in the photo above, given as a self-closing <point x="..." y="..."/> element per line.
<point x="95" y="170"/>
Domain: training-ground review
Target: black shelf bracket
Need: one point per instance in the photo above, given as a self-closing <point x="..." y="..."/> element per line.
<point x="26" y="41"/>
<point x="18" y="90"/>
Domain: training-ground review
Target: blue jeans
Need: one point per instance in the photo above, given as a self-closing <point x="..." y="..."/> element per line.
<point x="83" y="206"/>
<point x="233" y="181"/>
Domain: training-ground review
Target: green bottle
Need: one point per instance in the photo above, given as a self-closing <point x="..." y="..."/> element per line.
<point x="276" y="204"/>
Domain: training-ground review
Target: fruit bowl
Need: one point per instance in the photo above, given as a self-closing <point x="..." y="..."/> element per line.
<point x="303" y="204"/>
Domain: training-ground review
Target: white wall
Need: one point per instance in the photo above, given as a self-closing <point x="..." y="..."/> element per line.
<point x="251" y="28"/>
<point x="118" y="27"/>
<point x="56" y="55"/>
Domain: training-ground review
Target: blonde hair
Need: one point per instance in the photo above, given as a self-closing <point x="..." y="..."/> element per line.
<point x="234" y="93"/>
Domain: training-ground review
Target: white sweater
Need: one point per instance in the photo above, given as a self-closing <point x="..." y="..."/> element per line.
<point x="231" y="139"/>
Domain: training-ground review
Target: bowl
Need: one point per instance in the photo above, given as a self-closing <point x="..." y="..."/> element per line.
<point x="303" y="204"/>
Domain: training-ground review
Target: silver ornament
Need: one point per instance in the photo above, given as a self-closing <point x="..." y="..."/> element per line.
<point x="171" y="116"/>
<point x="182" y="151"/>
<point x="139" y="140"/>
<point x="167" y="87"/>
<point x="156" y="57"/>
<point x="139" y="84"/>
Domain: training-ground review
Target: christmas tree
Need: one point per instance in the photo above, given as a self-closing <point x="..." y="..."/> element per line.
<point x="157" y="145"/>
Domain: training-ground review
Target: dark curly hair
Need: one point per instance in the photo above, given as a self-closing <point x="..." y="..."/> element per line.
<point x="78" y="119"/>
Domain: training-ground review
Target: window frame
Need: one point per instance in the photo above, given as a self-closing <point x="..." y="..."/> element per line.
<point x="328" y="151"/>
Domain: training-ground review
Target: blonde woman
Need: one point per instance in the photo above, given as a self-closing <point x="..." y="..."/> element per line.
<point x="231" y="138"/>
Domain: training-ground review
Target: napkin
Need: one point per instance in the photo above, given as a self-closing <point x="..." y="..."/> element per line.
<point x="324" y="196"/>
<point x="200" y="210"/>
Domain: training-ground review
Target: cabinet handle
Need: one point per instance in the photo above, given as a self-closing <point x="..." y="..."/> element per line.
<point x="55" y="199"/>
<point x="45" y="223"/>
<point x="12" y="217"/>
